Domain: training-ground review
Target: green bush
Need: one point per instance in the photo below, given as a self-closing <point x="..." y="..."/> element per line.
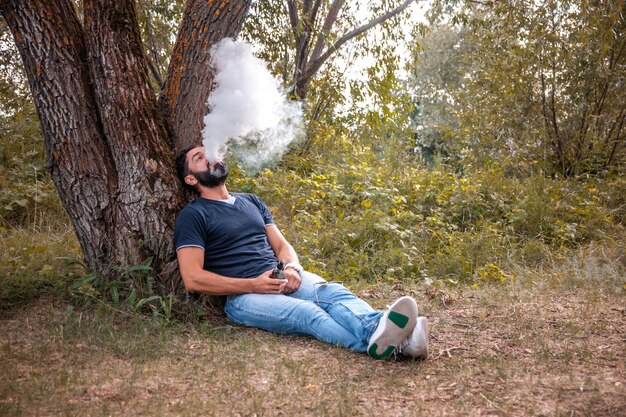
<point x="27" y="195"/>
<point x="32" y="262"/>
<point x="354" y="216"/>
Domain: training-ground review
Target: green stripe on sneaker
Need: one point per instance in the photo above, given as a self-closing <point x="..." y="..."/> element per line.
<point x="372" y="351"/>
<point x="398" y="319"/>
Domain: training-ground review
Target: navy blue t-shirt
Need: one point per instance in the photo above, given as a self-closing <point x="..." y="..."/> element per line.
<point x="232" y="235"/>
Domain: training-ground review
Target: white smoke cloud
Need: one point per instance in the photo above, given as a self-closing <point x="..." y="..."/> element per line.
<point x="250" y="116"/>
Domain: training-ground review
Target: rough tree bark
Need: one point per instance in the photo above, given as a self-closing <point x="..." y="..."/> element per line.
<point x="147" y="200"/>
<point x="77" y="153"/>
<point x="106" y="138"/>
<point x="189" y="75"/>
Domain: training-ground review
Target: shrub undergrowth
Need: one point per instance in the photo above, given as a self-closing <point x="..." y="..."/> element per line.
<point x="353" y="215"/>
<point x="358" y="217"/>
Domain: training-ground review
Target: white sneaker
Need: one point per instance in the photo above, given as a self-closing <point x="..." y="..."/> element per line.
<point x="416" y="345"/>
<point x="395" y="327"/>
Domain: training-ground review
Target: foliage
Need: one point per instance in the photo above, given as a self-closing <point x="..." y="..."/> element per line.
<point x="435" y="73"/>
<point x="359" y="216"/>
<point x="356" y="216"/>
<point x="133" y="291"/>
<point x="34" y="261"/>
<point x="27" y="194"/>
<point x="556" y="70"/>
<point x="269" y="29"/>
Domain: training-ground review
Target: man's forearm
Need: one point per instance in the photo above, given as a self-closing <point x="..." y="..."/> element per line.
<point x="214" y="284"/>
<point x="287" y="254"/>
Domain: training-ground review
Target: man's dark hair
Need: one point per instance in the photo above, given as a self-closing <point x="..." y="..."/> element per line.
<point x="182" y="167"/>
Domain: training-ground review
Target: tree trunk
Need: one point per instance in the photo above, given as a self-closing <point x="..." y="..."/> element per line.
<point x="106" y="139"/>
<point x="190" y="75"/>
<point x="51" y="44"/>
<point x="147" y="189"/>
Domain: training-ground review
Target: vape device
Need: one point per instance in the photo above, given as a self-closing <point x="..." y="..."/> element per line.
<point x="278" y="272"/>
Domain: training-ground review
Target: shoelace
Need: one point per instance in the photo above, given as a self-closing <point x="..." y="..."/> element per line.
<point x="398" y="350"/>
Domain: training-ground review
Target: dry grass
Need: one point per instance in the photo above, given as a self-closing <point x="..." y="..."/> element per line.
<point x="543" y="347"/>
<point x="546" y="354"/>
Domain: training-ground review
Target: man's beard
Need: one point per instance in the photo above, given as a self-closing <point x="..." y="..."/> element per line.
<point x="212" y="178"/>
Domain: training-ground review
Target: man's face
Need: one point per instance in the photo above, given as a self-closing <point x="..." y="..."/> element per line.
<point x="209" y="175"/>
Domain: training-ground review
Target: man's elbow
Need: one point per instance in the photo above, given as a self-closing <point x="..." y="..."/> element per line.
<point x="191" y="282"/>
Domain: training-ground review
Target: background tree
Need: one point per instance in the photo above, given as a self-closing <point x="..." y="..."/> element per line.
<point x="315" y="41"/>
<point x="109" y="143"/>
<point x="311" y="32"/>
<point x="544" y="84"/>
<point x="338" y="102"/>
<point x="435" y="74"/>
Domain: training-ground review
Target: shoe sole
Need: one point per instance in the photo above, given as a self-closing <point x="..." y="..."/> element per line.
<point x="395" y="326"/>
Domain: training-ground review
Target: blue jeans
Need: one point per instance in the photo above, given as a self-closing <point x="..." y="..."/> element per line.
<point x="327" y="311"/>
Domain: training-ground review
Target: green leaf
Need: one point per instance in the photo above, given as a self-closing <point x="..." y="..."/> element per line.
<point x="139" y="267"/>
<point x="147" y="300"/>
<point x="115" y="295"/>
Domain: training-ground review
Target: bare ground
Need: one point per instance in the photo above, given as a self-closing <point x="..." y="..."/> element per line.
<point x="535" y="349"/>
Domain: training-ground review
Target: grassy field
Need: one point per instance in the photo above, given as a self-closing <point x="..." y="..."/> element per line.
<point x="550" y="343"/>
<point x="523" y="281"/>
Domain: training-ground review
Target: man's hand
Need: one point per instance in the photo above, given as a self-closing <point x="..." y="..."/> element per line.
<point x="263" y="284"/>
<point x="293" y="280"/>
<point x="283" y="250"/>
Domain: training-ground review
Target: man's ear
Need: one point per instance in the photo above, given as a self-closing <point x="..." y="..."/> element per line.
<point x="191" y="180"/>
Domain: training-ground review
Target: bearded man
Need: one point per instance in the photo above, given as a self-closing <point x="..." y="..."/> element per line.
<point x="228" y="245"/>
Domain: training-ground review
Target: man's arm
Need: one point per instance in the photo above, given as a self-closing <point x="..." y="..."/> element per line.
<point x="284" y="252"/>
<point x="196" y="279"/>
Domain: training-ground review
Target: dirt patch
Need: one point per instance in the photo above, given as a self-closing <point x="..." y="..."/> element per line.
<point x="515" y="350"/>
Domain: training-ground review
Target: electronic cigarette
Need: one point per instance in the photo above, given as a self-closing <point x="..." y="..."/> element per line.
<point x="278" y="272"/>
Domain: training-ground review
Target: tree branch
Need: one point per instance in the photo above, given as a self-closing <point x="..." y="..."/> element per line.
<point x="305" y="35"/>
<point x="189" y="78"/>
<point x="315" y="66"/>
<point x="314" y="11"/>
<point x="553" y="119"/>
<point x="330" y="20"/>
<point x="154" y="71"/>
<point x="617" y="140"/>
<point x="298" y="34"/>
<point x="154" y="59"/>
<point x="293" y="17"/>
<point x="554" y="140"/>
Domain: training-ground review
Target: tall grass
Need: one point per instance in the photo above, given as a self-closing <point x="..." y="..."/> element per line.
<point x="359" y="217"/>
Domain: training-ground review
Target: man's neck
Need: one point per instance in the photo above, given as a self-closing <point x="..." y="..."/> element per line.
<point x="216" y="193"/>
